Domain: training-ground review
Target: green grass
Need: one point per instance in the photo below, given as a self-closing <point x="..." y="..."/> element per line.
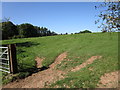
<point x="78" y="45"/>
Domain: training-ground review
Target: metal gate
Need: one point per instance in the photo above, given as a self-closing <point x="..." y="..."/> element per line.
<point x="4" y="59"/>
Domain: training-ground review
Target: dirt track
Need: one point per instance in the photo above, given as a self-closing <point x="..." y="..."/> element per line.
<point x="89" y="61"/>
<point x="44" y="78"/>
<point x="41" y="79"/>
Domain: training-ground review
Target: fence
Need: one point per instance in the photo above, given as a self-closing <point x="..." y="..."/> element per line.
<point x="8" y="61"/>
<point x="4" y="60"/>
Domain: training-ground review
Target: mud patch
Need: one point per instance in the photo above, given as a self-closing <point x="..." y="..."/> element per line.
<point x="39" y="62"/>
<point x="89" y="61"/>
<point x="58" y="59"/>
<point x="41" y="79"/>
<point x="109" y="80"/>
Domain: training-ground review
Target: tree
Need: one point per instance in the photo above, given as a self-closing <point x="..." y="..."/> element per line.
<point x="85" y="31"/>
<point x="109" y="16"/>
<point x="37" y="28"/>
<point x="8" y="30"/>
<point x="27" y="30"/>
<point x="49" y="33"/>
<point x="45" y="31"/>
<point x="53" y="33"/>
<point x="66" y="33"/>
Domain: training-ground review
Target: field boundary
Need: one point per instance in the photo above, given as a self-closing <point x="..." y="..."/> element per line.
<point x="8" y="61"/>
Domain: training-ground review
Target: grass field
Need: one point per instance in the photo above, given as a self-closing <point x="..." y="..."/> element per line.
<point x="78" y="45"/>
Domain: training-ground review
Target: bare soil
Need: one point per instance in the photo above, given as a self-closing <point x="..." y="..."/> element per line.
<point x="58" y="59"/>
<point x="39" y="61"/>
<point x="44" y="78"/>
<point x="89" y="61"/>
<point x="41" y="79"/>
<point x="109" y="80"/>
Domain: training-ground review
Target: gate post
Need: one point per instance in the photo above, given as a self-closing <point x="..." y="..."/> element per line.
<point x="12" y="58"/>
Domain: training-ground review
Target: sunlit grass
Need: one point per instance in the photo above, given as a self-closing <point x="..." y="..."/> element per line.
<point x="78" y="45"/>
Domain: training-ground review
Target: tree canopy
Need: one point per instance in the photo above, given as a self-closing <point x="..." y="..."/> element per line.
<point x="85" y="31"/>
<point x="10" y="30"/>
<point x="27" y="30"/>
<point x="109" y="16"/>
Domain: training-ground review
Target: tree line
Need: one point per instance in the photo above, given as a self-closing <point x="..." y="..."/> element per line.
<point x="25" y="30"/>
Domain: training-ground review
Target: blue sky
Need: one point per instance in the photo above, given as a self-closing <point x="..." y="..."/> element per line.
<point x="60" y="17"/>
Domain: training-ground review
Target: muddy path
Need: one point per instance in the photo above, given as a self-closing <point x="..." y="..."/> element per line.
<point x="84" y="64"/>
<point x="46" y="77"/>
<point x="41" y="79"/>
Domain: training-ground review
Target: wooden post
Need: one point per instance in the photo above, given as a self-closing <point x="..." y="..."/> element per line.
<point x="12" y="59"/>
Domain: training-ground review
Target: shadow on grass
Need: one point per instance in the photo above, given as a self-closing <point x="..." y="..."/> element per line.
<point x="21" y="74"/>
<point x="27" y="44"/>
<point x="34" y="69"/>
<point x="23" y="44"/>
<point x="24" y="69"/>
<point x="19" y="51"/>
<point x="28" y="72"/>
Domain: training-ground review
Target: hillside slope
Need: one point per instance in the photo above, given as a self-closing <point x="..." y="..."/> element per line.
<point x="79" y="48"/>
